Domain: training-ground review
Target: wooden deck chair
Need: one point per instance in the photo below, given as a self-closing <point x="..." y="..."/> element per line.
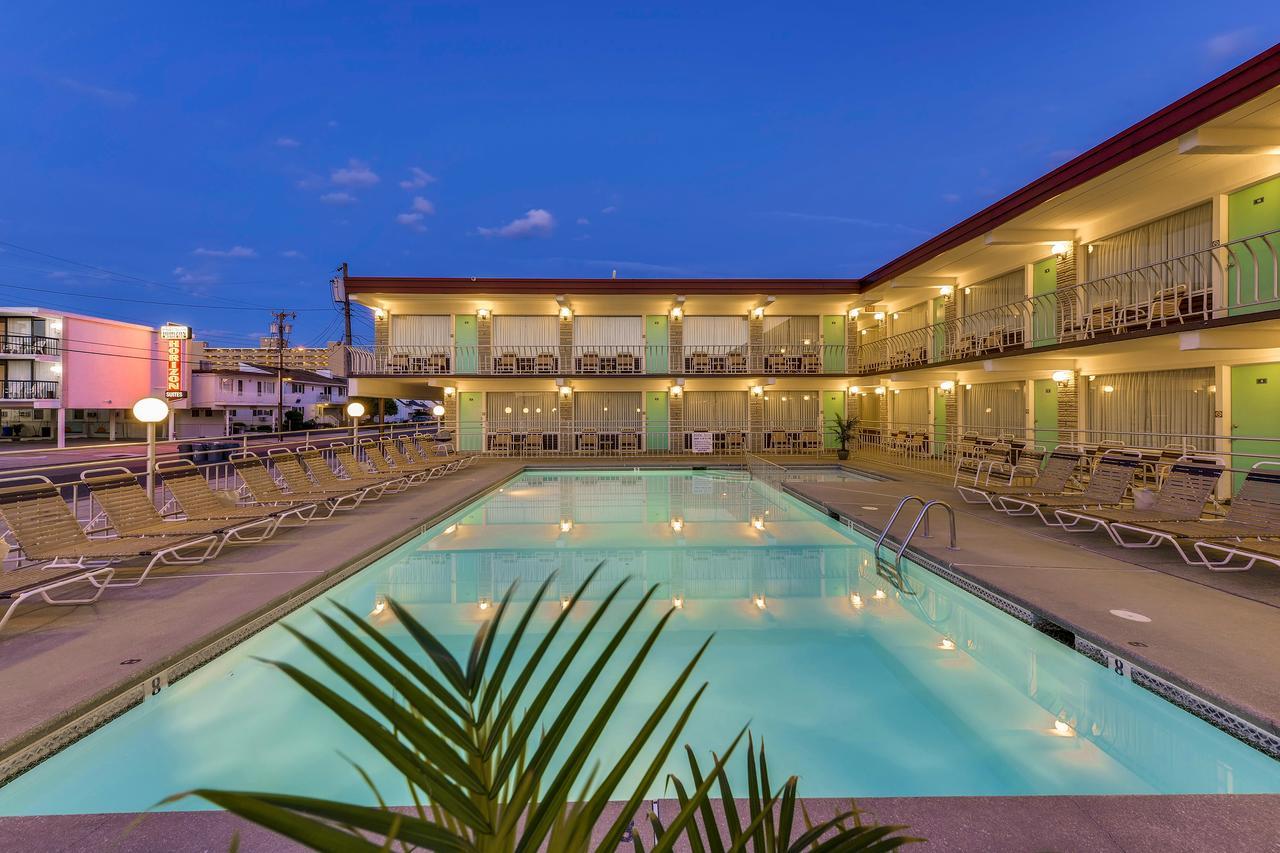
<point x="1254" y="512"/>
<point x="326" y="478"/>
<point x="1107" y="487"/>
<point x="131" y="513"/>
<point x="1053" y="479"/>
<point x="263" y="488"/>
<point x="46" y="530"/>
<point x="1182" y="498"/>
<point x="198" y="500"/>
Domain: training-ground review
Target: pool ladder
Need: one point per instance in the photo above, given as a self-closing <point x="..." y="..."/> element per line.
<point x="922" y="517"/>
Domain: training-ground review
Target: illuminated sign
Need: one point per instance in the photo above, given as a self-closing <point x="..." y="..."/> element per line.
<point x="174" y="338"/>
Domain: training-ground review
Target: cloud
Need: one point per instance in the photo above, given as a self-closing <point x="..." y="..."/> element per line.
<point x="292" y="253"/>
<point x="422" y="205"/>
<point x="411" y="220"/>
<point x="582" y="220"/>
<point x="111" y="97"/>
<point x="233" y="252"/>
<point x="634" y="266"/>
<point x="535" y="223"/>
<point x="848" y="220"/>
<point x="613" y="208"/>
<point x="186" y="276"/>
<point x="1230" y="44"/>
<point x="287" y="142"/>
<point x="1062" y="155"/>
<point x="418" y="179"/>
<point x="951" y="198"/>
<point x="341" y="199"/>
<point x="355" y="174"/>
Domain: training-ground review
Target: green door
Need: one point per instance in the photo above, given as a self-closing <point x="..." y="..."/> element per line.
<point x="939" y="422"/>
<point x="939" y="330"/>
<point x="1255" y="399"/>
<point x="466" y="344"/>
<point x="1253" y="210"/>
<point x="471" y="420"/>
<point x="833" y="344"/>
<point x="832" y="405"/>
<point x="655" y="420"/>
<point x="1044" y="312"/>
<point x="1046" y="413"/>
<point x="656" y="340"/>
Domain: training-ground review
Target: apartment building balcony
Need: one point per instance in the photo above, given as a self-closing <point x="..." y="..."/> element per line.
<point x="632" y="360"/>
<point x="1233" y="279"/>
<point x="29" y="389"/>
<point x="29" y="345"/>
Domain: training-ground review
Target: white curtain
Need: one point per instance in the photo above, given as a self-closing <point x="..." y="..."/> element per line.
<point x="911" y="409"/>
<point x="790" y="331"/>
<point x="520" y="410"/>
<point x="1153" y="409"/>
<point x="1172" y="236"/>
<point x="869" y="411"/>
<point x="994" y="292"/>
<point x="608" y="410"/>
<point x="993" y="408"/>
<point x="420" y="330"/>
<point x="905" y="321"/>
<point x="791" y="410"/>
<point x="715" y="331"/>
<point x="537" y="331"/>
<point x="705" y="410"/>
<point x="614" y="333"/>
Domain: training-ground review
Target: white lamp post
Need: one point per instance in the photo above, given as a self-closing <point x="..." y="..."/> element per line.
<point x="355" y="411"/>
<point x="151" y="411"/>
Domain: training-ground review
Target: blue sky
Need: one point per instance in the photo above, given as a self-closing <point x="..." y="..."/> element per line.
<point x="227" y="157"/>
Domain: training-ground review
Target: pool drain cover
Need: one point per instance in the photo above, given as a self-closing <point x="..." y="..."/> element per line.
<point x="1130" y="615"/>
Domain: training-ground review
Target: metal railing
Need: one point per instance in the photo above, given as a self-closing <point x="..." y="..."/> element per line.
<point x="635" y="438"/>
<point x="30" y="389"/>
<point x="29" y="345"/>
<point x="625" y="360"/>
<point x="1237" y="277"/>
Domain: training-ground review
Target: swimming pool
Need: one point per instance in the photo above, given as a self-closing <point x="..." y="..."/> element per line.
<point x="859" y="687"/>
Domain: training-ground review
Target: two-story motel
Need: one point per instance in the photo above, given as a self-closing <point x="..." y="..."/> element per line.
<point x="1130" y="295"/>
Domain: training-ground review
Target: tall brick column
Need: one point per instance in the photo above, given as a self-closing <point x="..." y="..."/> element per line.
<point x="755" y="342"/>
<point x="1068" y="299"/>
<point x="566" y="344"/>
<point x="564" y="408"/>
<point x="755" y="418"/>
<point x="484" y="344"/>
<point x="675" y="342"/>
<point x="1069" y="409"/>
<point x="675" y="421"/>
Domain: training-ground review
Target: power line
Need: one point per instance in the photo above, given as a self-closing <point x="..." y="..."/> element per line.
<point x="145" y="301"/>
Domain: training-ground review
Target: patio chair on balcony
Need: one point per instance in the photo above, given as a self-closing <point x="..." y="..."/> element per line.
<point x="628" y="442"/>
<point x="736" y="362"/>
<point x="966" y="346"/>
<point x="700" y="362"/>
<point x="1167" y="306"/>
<point x="810" y="363"/>
<point x="734" y="441"/>
<point x="810" y="441"/>
<point x="589" y="362"/>
<point x="534" y="444"/>
<point x="545" y="362"/>
<point x="47" y="531"/>
<point x="780" y="441"/>
<point x="500" y="443"/>
<point x="626" y="362"/>
<point x="131" y="512"/>
<point x="993" y="339"/>
<point x="437" y="362"/>
<point x="1103" y="318"/>
<point x="775" y="362"/>
<point x="589" y="442"/>
<point x="505" y="363"/>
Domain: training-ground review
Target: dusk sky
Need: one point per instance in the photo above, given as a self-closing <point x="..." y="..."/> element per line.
<point x="226" y="158"/>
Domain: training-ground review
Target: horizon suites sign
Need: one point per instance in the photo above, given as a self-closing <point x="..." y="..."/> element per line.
<point x="175" y="339"/>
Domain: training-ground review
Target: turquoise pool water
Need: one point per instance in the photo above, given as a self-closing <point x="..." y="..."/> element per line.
<point x="858" y="687"/>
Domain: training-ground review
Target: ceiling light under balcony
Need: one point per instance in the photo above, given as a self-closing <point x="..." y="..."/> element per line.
<point x="1062" y="376"/>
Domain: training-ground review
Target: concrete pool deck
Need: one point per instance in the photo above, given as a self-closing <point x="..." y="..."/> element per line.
<point x="1215" y="634"/>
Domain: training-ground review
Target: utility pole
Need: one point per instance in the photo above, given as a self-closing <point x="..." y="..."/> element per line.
<point x="281" y="330"/>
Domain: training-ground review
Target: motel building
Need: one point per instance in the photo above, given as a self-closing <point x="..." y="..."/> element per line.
<point x="1129" y="297"/>
<point x="74" y="376"/>
<point x="229" y="400"/>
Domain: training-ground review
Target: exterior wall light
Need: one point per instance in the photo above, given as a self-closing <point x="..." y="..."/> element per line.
<point x="1061" y="247"/>
<point x="757" y="391"/>
<point x="482" y="313"/>
<point x="565" y="390"/>
<point x="946" y="290"/>
<point x="449" y="390"/>
<point x="1062" y="377"/>
<point x="379" y="314"/>
<point x="676" y="390"/>
<point x="879" y="315"/>
<point x="947" y="386"/>
<point x="854" y="389"/>
<point x="854" y="312"/>
<point x="677" y="312"/>
<point x="880" y="390"/>
<point x="566" y="312"/>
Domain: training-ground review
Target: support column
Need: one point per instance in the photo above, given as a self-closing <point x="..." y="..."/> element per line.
<point x="1069" y="410"/>
<point x="755" y="341"/>
<point x="172" y="417"/>
<point x="1068" y="276"/>
<point x="566" y="344"/>
<point x="675" y="342"/>
<point x="675" y="418"/>
<point x="1218" y="236"/>
<point x="62" y="427"/>
<point x="1222" y="426"/>
<point x="755" y="419"/>
<point x="564" y="407"/>
<point x="111" y="424"/>
<point x="484" y="344"/>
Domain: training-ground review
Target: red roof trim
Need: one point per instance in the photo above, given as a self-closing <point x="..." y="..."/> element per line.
<point x="615" y="286"/>
<point x="1239" y="85"/>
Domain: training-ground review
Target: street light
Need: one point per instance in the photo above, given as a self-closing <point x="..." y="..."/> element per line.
<point x="151" y="411"/>
<point x="355" y="411"/>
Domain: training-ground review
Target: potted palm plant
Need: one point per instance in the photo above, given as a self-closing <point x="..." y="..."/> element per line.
<point x="844" y="429"/>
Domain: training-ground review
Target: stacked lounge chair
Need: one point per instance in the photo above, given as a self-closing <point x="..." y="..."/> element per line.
<point x="1187" y="488"/>
<point x="326" y="478"/>
<point x="1107" y="487"/>
<point x="191" y="491"/>
<point x="263" y="488"/>
<point x="1053" y="479"/>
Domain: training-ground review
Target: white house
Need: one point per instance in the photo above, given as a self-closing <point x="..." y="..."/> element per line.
<point x="225" y="401"/>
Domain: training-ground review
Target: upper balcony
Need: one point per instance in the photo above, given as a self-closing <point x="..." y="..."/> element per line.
<point x="29" y="345"/>
<point x="801" y="358"/>
<point x="1229" y="280"/>
<point x="29" y="389"/>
